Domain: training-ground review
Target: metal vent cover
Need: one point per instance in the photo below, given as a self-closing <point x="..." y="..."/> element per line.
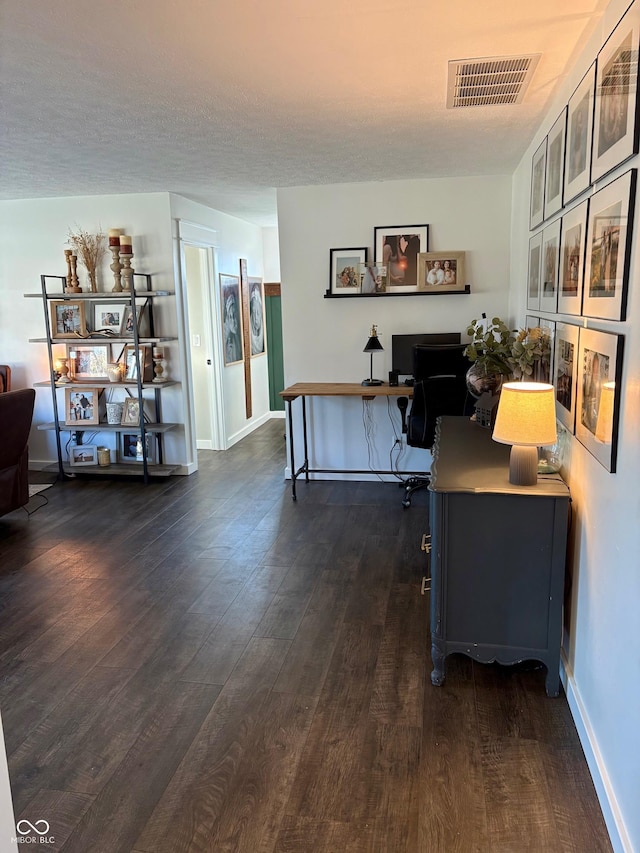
<point x="489" y="80"/>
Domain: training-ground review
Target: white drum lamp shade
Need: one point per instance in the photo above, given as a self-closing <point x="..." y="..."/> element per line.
<point x="526" y="419"/>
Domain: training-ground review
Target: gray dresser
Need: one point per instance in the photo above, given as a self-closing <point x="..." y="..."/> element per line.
<point x="497" y="555"/>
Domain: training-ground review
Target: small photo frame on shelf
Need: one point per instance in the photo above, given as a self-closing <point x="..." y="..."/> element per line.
<point x="615" y="134"/>
<point x="565" y="372"/>
<point x="441" y="272"/>
<point x="538" y="165"/>
<point x="108" y="316"/>
<point x="126" y="326"/>
<point x="398" y="247"/>
<point x="344" y="271"/>
<point x="131" y="364"/>
<point x="81" y="407"/>
<point x="131" y="412"/>
<point x="549" y="267"/>
<point x="572" y="249"/>
<point x="554" y="180"/>
<point x="534" y="274"/>
<point x="256" y="317"/>
<point x="231" y="319"/>
<point x="88" y="363"/>
<point x="609" y="237"/>
<point x="577" y="162"/>
<point x="373" y="278"/>
<point x="67" y="319"/>
<point x="83" y="454"/>
<point x="130" y="447"/>
<point x="598" y="394"/>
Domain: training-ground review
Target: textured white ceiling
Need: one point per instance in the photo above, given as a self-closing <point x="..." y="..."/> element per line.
<point x="223" y="102"/>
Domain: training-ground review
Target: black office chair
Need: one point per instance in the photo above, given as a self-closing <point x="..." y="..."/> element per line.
<point x="440" y="388"/>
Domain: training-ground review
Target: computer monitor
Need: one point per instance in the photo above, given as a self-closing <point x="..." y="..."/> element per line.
<point x="402" y="348"/>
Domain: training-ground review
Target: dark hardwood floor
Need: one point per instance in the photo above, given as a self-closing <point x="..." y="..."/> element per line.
<point x="203" y="665"/>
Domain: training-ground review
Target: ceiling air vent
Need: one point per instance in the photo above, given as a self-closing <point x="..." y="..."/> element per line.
<point x="490" y="80"/>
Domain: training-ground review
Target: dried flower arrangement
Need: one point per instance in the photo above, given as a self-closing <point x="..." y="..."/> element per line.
<point x="89" y="249"/>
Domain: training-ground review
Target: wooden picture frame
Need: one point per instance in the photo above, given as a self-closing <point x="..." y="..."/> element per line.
<point x="231" y="313"/>
<point x="608" y="254"/>
<point x="88" y="362"/>
<point x="554" y="171"/>
<point x="577" y="162"/>
<point x="442" y="272"/>
<point x="83" y="454"/>
<point x="131" y="411"/>
<point x="397" y="247"/>
<point x="573" y="241"/>
<point x="67" y="318"/>
<point x="108" y="317"/>
<point x="598" y="394"/>
<point x="81" y="407"/>
<point x="145" y="357"/>
<point x="615" y="134"/>
<point x="565" y="373"/>
<point x="126" y="327"/>
<point x="534" y="272"/>
<point x="549" y="265"/>
<point x="538" y="171"/>
<point x="257" y="332"/>
<point x="344" y="271"/>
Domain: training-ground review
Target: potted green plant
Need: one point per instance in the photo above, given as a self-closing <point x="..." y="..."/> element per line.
<point x="490" y="350"/>
<point x="531" y="354"/>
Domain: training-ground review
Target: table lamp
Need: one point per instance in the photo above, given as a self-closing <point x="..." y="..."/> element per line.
<point x="373" y="345"/>
<point x="526" y="419"/>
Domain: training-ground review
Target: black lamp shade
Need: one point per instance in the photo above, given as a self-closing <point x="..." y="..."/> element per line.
<point x="373" y="345"/>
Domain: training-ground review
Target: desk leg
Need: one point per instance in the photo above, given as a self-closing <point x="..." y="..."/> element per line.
<point x="304" y="434"/>
<point x="291" y="457"/>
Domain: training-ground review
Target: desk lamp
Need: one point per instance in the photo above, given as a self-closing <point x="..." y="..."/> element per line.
<point x="373" y="345"/>
<point x="526" y="419"/>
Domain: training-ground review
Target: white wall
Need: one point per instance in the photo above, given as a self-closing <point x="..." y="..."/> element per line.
<point x="271" y="253"/>
<point x="324" y="338"/>
<point x="601" y="642"/>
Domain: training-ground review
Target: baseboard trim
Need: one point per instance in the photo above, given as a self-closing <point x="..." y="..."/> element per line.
<point x="613" y="819"/>
<point x="247" y="430"/>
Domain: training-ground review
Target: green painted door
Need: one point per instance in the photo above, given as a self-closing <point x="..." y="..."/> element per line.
<point x="273" y="311"/>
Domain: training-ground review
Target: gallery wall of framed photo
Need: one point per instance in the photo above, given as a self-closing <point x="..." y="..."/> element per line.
<point x="581" y="224"/>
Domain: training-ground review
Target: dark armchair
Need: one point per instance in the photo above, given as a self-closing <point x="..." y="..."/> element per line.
<point x="440" y="388"/>
<point x="16" y="413"/>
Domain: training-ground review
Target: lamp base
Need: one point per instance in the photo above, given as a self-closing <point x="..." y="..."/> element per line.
<point x="523" y="465"/>
<point x="369" y="382"/>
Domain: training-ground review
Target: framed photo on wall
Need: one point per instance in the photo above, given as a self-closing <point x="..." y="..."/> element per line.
<point x="538" y="166"/>
<point x="231" y="319"/>
<point x="441" y="272"/>
<point x="616" y="106"/>
<point x="572" y="250"/>
<point x="398" y="247"/>
<point x="344" y="271"/>
<point x="554" y="174"/>
<point x="598" y="394"/>
<point x="256" y="316"/>
<point x="577" y="162"/>
<point x="609" y="237"/>
<point x="533" y="278"/>
<point x="549" y="267"/>
<point x="565" y="372"/>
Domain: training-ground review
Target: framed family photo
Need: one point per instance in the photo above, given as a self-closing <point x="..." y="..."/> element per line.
<point x="441" y="272"/>
<point x="81" y="407"/>
<point x="83" y="454"/>
<point x="374" y="278"/>
<point x="572" y="248"/>
<point x="344" y="271"/>
<point x="538" y="166"/>
<point x="397" y="247"/>
<point x="67" y="319"/>
<point x="577" y="162"/>
<point x="609" y="238"/>
<point x="256" y="317"/>
<point x="598" y="394"/>
<point x="554" y="175"/>
<point x="232" y="345"/>
<point x="565" y="372"/>
<point x="533" y="277"/>
<point x="616" y="101"/>
<point x="88" y="363"/>
<point x="549" y="267"/>
<point x="108" y="317"/>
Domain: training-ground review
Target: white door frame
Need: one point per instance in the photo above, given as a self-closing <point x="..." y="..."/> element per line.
<point x="199" y="236"/>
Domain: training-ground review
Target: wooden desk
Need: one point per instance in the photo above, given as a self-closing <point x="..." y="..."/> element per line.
<point x="331" y="389"/>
